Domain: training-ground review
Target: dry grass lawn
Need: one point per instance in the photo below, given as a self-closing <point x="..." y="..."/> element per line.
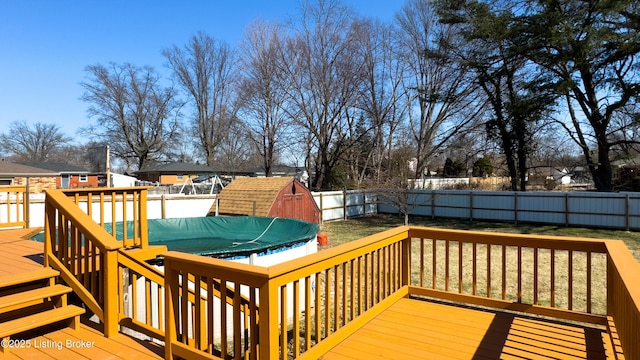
<point x="344" y="231"/>
<point x="340" y="232"/>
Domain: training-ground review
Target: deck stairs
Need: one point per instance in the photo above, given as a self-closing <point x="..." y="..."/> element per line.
<point x="34" y="301"/>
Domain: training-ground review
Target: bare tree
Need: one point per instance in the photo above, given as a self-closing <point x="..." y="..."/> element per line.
<point x="235" y="150"/>
<point x="263" y="91"/>
<point x="395" y="188"/>
<point x="439" y="92"/>
<point x="383" y="97"/>
<point x="135" y="114"/>
<point x="325" y="66"/>
<point x="204" y="68"/>
<point x="91" y="156"/>
<point x="37" y="143"/>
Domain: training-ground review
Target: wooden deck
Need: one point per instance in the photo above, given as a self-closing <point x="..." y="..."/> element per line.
<point x="19" y="254"/>
<point x="426" y="330"/>
<point x="410" y="328"/>
<point x="87" y="342"/>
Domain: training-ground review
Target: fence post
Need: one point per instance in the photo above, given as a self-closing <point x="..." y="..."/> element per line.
<point x="627" y="211"/>
<point x="515" y="207"/>
<point x="566" y="209"/>
<point x="433" y="204"/>
<point x="163" y="205"/>
<point x="364" y="202"/>
<point x="344" y="204"/>
<point x="321" y="209"/>
<point x="470" y="206"/>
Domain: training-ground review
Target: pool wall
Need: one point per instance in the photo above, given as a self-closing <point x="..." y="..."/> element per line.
<point x="286" y="254"/>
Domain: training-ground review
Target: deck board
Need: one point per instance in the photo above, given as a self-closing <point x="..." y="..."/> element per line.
<point x="62" y="344"/>
<point x="421" y="329"/>
<point x="19" y="253"/>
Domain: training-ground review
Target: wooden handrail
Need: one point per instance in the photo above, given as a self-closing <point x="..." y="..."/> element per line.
<point x="86" y="256"/>
<point x="133" y="211"/>
<point x="87" y="226"/>
<point x="16" y="209"/>
<point x="623" y="296"/>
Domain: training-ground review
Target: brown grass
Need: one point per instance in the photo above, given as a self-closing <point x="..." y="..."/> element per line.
<point x="340" y="232"/>
<point x="344" y="231"/>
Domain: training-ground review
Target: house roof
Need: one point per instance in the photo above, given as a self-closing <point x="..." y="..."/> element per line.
<point x="284" y="170"/>
<point x="177" y="167"/>
<point x="241" y="194"/>
<point x="8" y="168"/>
<point x="60" y="168"/>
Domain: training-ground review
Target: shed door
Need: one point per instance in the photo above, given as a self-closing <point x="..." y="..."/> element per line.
<point x="292" y="206"/>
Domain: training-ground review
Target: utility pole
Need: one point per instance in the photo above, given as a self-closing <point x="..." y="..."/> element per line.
<point x="108" y="168"/>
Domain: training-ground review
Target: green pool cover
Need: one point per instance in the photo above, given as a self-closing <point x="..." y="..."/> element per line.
<point x="222" y="236"/>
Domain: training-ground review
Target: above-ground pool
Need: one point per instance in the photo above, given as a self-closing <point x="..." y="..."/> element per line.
<point x="225" y="237"/>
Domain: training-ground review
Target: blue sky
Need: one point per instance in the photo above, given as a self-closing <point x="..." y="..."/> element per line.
<point x="45" y="45"/>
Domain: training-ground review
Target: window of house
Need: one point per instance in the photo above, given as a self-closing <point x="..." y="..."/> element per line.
<point x="179" y="176"/>
<point x="83" y="178"/>
<point x="6" y="181"/>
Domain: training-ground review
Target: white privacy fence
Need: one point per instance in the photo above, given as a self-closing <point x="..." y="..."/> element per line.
<point x="589" y="209"/>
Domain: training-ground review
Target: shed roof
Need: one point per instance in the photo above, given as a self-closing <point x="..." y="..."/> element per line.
<point x="9" y="168"/>
<point x="240" y="195"/>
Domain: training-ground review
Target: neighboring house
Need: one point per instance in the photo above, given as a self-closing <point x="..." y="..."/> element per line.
<point x="37" y="180"/>
<point x="69" y="176"/>
<point x="176" y="173"/>
<point x="561" y="177"/>
<point x="277" y="170"/>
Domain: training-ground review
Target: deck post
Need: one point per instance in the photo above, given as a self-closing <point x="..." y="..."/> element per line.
<point x="142" y="216"/>
<point x="110" y="307"/>
<point x="406" y="260"/>
<point x="268" y="325"/>
<point x="26" y="204"/>
<point x="49" y="226"/>
<point x="170" y="299"/>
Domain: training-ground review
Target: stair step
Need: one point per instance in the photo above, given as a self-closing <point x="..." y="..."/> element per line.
<point x="39" y="319"/>
<point x="10" y="302"/>
<point x="27" y="277"/>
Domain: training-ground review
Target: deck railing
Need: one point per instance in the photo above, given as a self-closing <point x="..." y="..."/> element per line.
<point x="123" y="209"/>
<point x="304" y="307"/>
<point x="15" y="203"/>
<point x="86" y="256"/>
<point x="308" y="305"/>
<point x="554" y="276"/>
<point x="118" y="287"/>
